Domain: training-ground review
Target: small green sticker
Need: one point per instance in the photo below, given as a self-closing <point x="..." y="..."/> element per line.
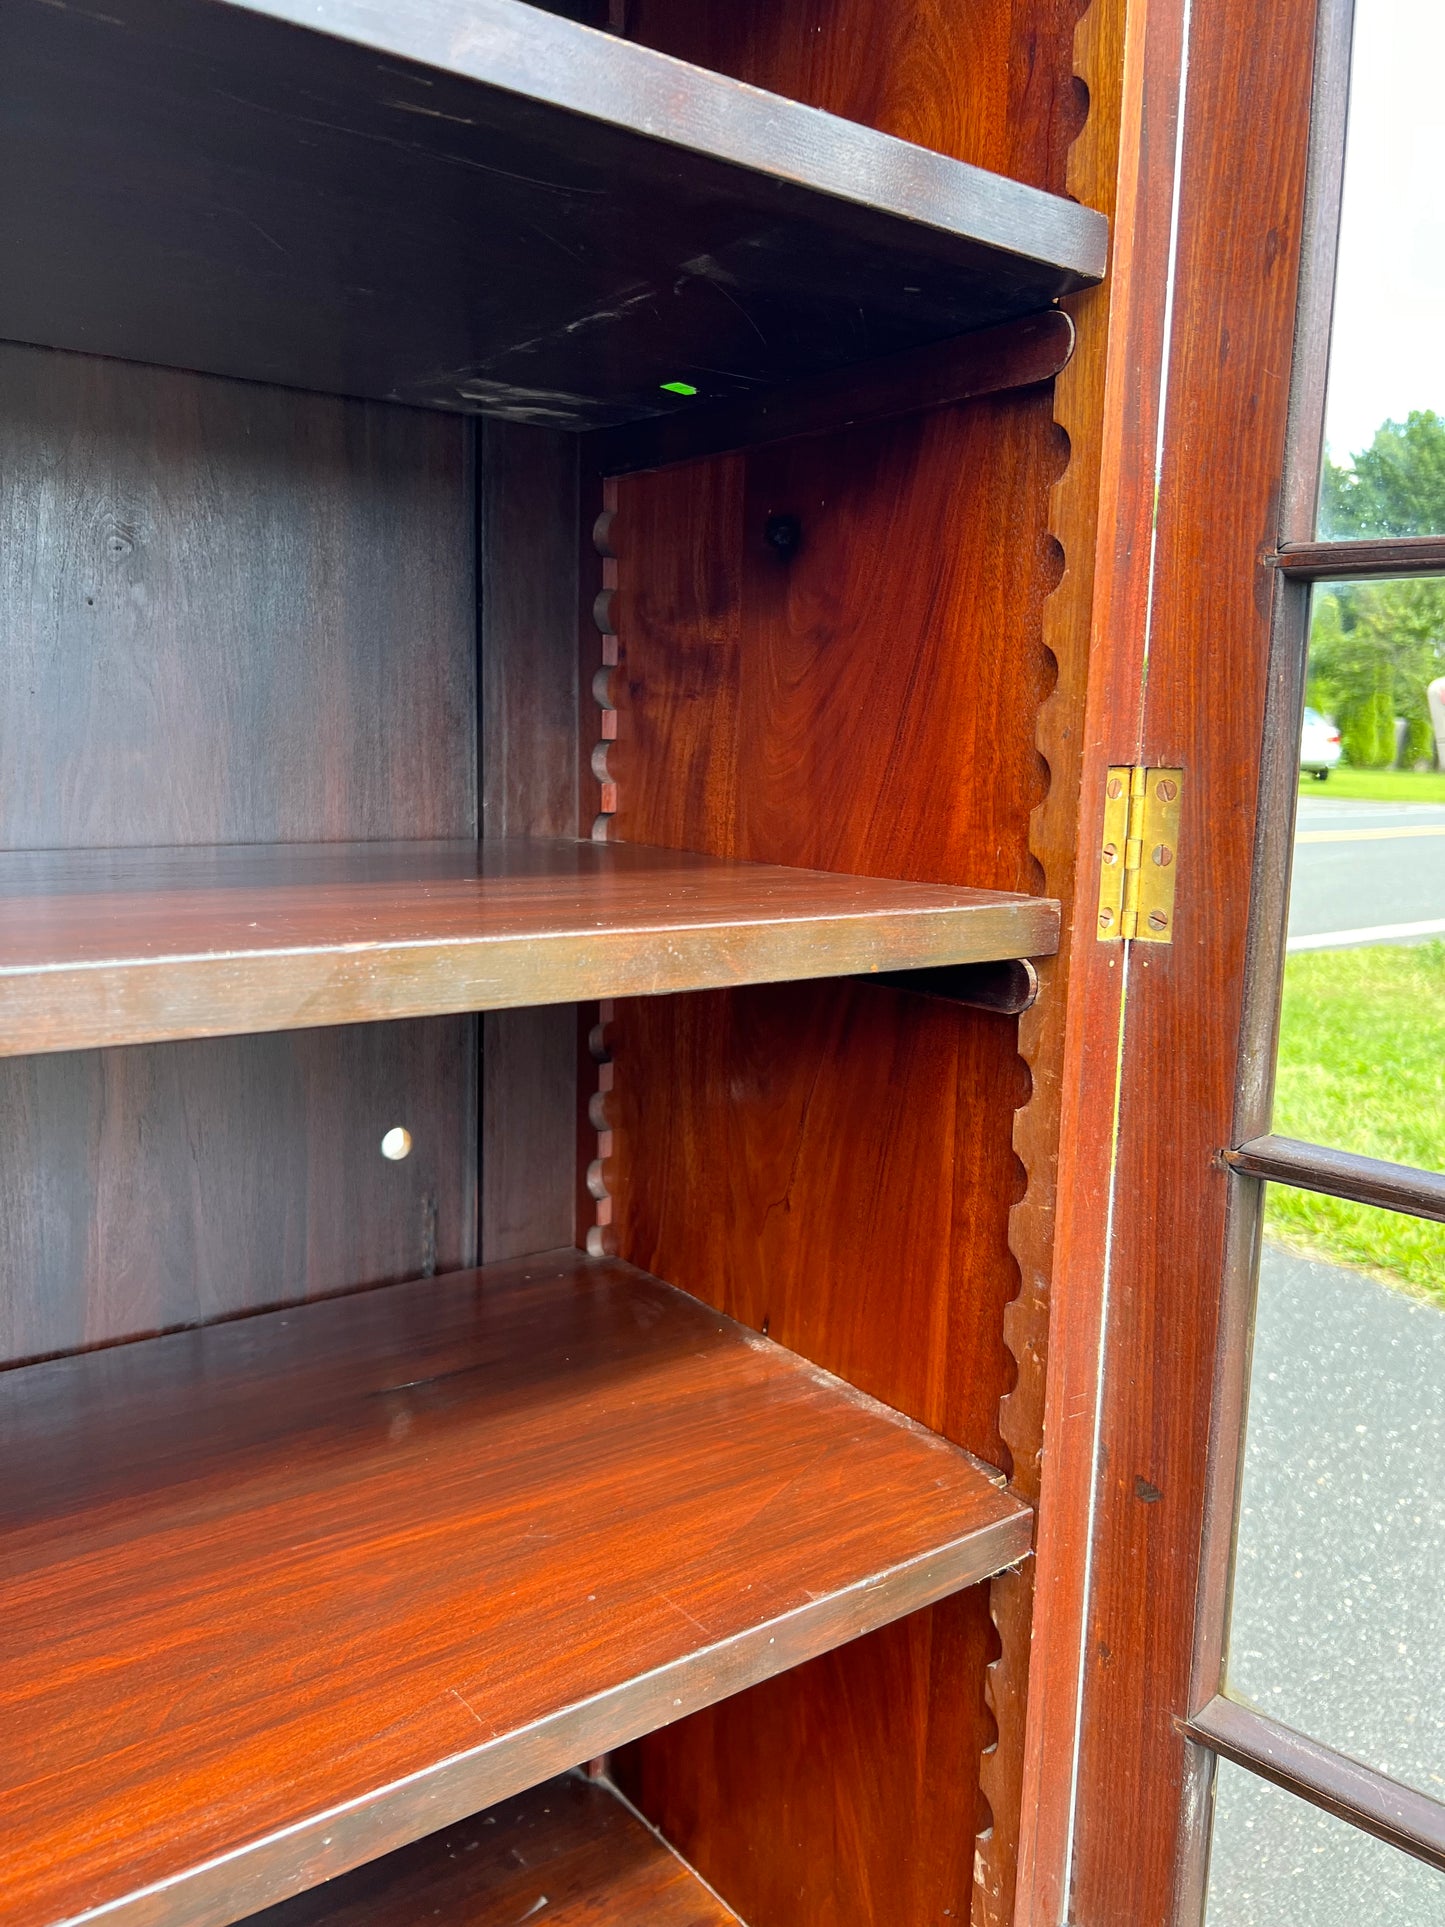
<point x="678" y="388"/>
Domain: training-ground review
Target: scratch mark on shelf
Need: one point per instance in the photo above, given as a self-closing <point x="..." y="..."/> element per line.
<point x="470" y="1708"/>
<point x="706" y="1631"/>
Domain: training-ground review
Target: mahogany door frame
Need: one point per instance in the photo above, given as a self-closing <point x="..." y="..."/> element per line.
<point x="1197" y="643"/>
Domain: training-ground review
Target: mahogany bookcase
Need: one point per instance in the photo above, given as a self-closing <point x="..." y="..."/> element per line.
<point x="546" y="580"/>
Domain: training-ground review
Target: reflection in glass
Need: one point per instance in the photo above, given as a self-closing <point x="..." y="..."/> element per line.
<point x="1275" y="1861"/>
<point x="1362" y="1047"/>
<point x="1386" y="394"/>
<point x="1338" y="1617"/>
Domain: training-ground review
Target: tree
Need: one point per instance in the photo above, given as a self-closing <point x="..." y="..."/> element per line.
<point x="1374" y="647"/>
<point x="1396" y="486"/>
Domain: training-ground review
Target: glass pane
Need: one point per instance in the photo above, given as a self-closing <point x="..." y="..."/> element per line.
<point x="1338" y="1623"/>
<point x="1386" y="396"/>
<point x="1362" y="1043"/>
<point x="1276" y="1861"/>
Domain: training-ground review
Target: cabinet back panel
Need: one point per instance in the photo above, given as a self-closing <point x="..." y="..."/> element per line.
<point x="172" y="1184"/>
<point x="228" y="613"/>
<point x="233" y="614"/>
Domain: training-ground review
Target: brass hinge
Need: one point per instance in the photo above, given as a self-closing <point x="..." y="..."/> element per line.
<point x="1140" y="854"/>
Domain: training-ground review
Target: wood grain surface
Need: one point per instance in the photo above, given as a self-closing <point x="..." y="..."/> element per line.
<point x="228" y="614"/>
<point x="814" y="1184"/>
<point x="179" y="1183"/>
<point x="285" y="1593"/>
<point x="865" y="701"/>
<point x="868" y="699"/>
<point x="111" y="947"/>
<point x="567" y="1853"/>
<point x="629" y="221"/>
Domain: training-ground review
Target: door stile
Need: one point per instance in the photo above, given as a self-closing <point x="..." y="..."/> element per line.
<point x="1213" y="591"/>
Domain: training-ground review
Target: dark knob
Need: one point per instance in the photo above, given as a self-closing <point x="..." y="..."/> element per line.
<point x="784" y="533"/>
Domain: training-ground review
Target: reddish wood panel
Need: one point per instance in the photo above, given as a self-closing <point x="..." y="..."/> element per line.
<point x="567" y="1852"/>
<point x="850" y="1782"/>
<point x="830" y="1164"/>
<point x="170" y="1185"/>
<point x="867" y="699"/>
<point x="990" y="83"/>
<point x="284" y="1593"/>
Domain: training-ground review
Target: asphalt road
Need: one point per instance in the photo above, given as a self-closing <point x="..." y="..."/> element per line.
<point x="1359" y="867"/>
<point x="1339" y="1619"/>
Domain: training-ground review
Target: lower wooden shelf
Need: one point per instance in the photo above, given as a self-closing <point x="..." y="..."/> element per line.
<point x="284" y="1594"/>
<point x="568" y="1853"/>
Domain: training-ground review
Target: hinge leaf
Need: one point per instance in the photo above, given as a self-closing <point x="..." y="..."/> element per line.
<point x="1139" y="857"/>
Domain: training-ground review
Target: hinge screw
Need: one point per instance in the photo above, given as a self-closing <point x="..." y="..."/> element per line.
<point x="1168" y="789"/>
<point x="1111" y="853"/>
<point x="1163" y="856"/>
<point x="1115" y="788"/>
<point x="1106" y="917"/>
<point x="1158" y="920"/>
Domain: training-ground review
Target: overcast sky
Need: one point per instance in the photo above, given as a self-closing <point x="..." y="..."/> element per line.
<point x="1388" y="353"/>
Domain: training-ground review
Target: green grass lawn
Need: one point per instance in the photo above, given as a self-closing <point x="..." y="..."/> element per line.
<point x="1362" y="1067"/>
<point x="1379" y="785"/>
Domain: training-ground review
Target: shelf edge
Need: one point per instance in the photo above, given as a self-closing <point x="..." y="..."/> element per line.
<point x="521" y="49"/>
<point x="83" y="1006"/>
<point x="273" y="1868"/>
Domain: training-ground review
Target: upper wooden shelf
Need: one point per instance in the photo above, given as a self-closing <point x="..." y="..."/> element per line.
<point x="283" y="1594"/>
<point x="474" y="204"/>
<point x="134" y="946"/>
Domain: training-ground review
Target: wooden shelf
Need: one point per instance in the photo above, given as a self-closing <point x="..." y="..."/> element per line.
<point x="478" y="206"/>
<point x="286" y="1593"/>
<point x="568" y="1853"/>
<point x="129" y="946"/>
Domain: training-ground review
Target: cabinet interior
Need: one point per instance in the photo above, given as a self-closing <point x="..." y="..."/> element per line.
<point x="700" y="1245"/>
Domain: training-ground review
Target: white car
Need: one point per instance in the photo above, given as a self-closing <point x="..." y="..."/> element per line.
<point x="1319" y="747"/>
